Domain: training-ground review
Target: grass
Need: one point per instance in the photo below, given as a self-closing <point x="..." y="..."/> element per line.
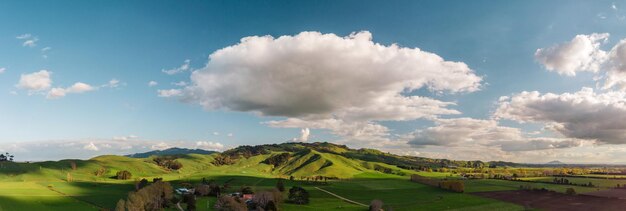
<point x="34" y="196"/>
<point x="484" y="185"/>
<point x="601" y="183"/>
<point x="24" y="186"/>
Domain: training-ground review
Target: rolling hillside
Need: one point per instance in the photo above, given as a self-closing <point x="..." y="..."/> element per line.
<point x="287" y="159"/>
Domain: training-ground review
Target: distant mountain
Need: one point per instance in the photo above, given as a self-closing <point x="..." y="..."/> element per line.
<point x="555" y="162"/>
<point x="171" y="151"/>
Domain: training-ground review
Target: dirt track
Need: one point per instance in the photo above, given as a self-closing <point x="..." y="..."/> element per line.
<point x="545" y="200"/>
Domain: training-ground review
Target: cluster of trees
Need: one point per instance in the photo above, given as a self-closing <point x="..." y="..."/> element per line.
<point x="298" y="195"/>
<point x="223" y="160"/>
<point x="388" y="170"/>
<point x="567" y="182"/>
<point x="211" y="188"/>
<point x="229" y="203"/>
<point x="123" y="175"/>
<point x="100" y="172"/>
<point x="266" y="200"/>
<point x="277" y="160"/>
<point x="156" y="196"/>
<point x="313" y="179"/>
<point x="168" y="162"/>
<point x="6" y="157"/>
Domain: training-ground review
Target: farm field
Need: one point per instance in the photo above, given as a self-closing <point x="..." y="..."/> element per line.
<point x="599" y="183"/>
<point x="545" y="200"/>
<point x="395" y="191"/>
<point x="350" y="184"/>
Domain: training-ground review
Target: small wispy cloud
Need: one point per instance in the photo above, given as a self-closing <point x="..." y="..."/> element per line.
<point x="29" y="40"/>
<point x="184" y="67"/>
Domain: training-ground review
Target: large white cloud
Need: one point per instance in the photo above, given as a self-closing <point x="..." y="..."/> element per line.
<point x="616" y="67"/>
<point x="580" y="54"/>
<point x="320" y="75"/>
<point x="583" y="53"/>
<point x="34" y="82"/>
<point x="581" y="115"/>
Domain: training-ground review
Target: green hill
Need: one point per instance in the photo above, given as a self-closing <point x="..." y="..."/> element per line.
<point x="286" y="159"/>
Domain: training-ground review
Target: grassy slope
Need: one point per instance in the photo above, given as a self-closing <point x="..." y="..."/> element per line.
<point x="25" y="186"/>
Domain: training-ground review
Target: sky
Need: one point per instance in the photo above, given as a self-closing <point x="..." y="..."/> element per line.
<point x="522" y="81"/>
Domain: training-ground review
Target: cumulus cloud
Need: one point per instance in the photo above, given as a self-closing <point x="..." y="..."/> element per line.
<point x="28" y="40"/>
<point x="304" y="135"/>
<point x="160" y="146"/>
<point x="582" y="53"/>
<point x="152" y="83"/>
<point x="365" y="133"/>
<point x="297" y="76"/>
<point x="34" y="82"/>
<point x="580" y="115"/>
<point x="2" y="69"/>
<point x="184" y="67"/>
<point x="208" y="145"/>
<point x="461" y="131"/>
<point x="91" y="146"/>
<point x="41" y="83"/>
<point x="616" y="67"/>
<point x="539" y="144"/>
<point x="79" y="87"/>
<point x="169" y="92"/>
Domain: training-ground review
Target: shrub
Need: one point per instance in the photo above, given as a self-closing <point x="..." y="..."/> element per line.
<point x="298" y="195"/>
<point x="280" y="185"/>
<point x="570" y="191"/>
<point x="121" y="205"/>
<point x="141" y="184"/>
<point x="190" y="200"/>
<point x="452" y="185"/>
<point x="246" y="190"/>
<point x="168" y="162"/>
<point x="264" y="198"/>
<point x="123" y="175"/>
<point x="152" y="197"/>
<point x="228" y="203"/>
<point x="203" y="190"/>
<point x="100" y="172"/>
<point x="223" y="160"/>
<point x="376" y="205"/>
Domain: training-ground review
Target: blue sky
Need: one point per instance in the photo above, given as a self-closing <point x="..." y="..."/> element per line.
<point x="94" y="42"/>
